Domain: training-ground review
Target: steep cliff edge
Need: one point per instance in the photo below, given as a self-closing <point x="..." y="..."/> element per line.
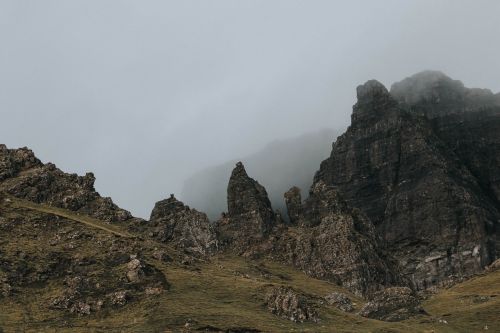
<point x="408" y="162"/>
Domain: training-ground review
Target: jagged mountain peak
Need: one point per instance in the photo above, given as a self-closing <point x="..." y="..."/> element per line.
<point x="245" y="194"/>
<point x="371" y="90"/>
<point x="373" y="101"/>
<point x="419" y="164"/>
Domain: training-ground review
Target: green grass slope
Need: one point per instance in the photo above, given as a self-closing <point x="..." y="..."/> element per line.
<point x="225" y="293"/>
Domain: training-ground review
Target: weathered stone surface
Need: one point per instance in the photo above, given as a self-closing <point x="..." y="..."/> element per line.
<point x="187" y="229"/>
<point x="250" y="217"/>
<point x="24" y="176"/>
<point x="340" y="300"/>
<point x="431" y="196"/>
<point x="393" y="304"/>
<point x="336" y="243"/>
<point x="290" y="304"/>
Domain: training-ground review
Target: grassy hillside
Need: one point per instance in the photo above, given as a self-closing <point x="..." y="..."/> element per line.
<point x="223" y="294"/>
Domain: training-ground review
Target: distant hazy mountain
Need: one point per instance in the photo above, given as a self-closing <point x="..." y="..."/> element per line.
<point x="278" y="166"/>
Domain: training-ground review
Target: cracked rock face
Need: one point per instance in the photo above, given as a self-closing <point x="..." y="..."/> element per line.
<point x="428" y="182"/>
<point x="187" y="229"/>
<point x="250" y="217"/>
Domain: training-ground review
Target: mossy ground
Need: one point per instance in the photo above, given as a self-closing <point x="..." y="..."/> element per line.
<point x="226" y="292"/>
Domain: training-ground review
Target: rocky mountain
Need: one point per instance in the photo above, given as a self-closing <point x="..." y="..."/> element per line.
<point x="407" y="203"/>
<point x="422" y="162"/>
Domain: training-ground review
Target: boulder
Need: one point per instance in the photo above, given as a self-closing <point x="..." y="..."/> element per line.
<point x="290" y="304"/>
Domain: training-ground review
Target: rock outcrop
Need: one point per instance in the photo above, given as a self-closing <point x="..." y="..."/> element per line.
<point x="393" y="304"/>
<point x="292" y="305"/>
<point x="250" y="217"/>
<point x="186" y="229"/>
<point x="409" y="162"/>
<point x="24" y="176"/>
<point x="293" y="201"/>
<point x="335" y="242"/>
<point x="326" y="239"/>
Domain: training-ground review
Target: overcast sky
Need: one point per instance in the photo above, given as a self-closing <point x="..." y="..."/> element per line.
<point x="145" y="93"/>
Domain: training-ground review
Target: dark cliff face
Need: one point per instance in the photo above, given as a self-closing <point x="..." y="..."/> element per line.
<point x="409" y="162"/>
<point x="24" y="176"/>
<point x="186" y="229"/>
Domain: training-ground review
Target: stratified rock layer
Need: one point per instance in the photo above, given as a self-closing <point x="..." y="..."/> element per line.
<point x="424" y="167"/>
<point x="187" y="229"/>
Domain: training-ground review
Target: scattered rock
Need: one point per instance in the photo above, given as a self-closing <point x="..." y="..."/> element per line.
<point x="162" y="256"/>
<point x="153" y="290"/>
<point x="119" y="298"/>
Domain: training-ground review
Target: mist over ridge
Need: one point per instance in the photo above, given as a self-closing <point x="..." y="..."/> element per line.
<point x="278" y="166"/>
